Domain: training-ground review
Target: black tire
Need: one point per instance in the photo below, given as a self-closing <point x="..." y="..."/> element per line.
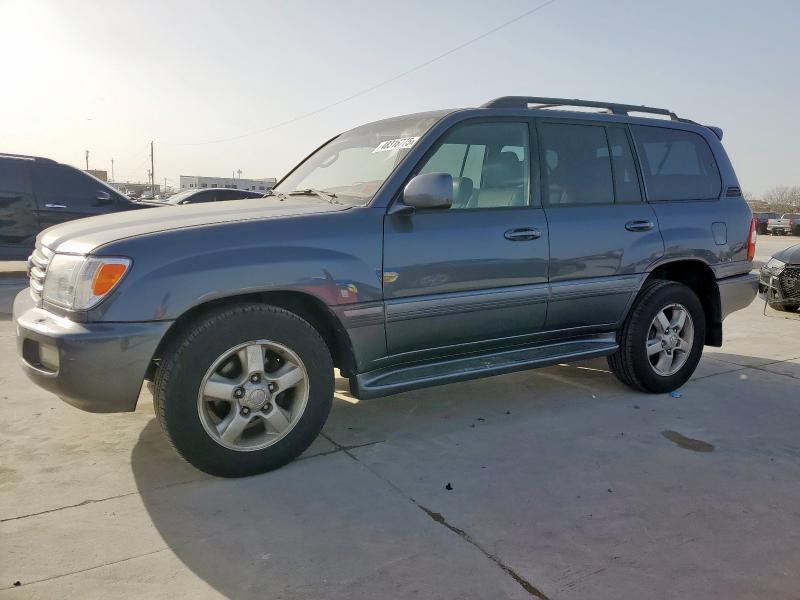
<point x="190" y="354"/>
<point x="630" y="363"/>
<point x="785" y="307"/>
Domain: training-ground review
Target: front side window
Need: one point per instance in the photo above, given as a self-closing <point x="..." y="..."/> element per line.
<point x="354" y="165"/>
<point x="489" y="164"/>
<point x="676" y="164"/>
<point x="59" y="184"/>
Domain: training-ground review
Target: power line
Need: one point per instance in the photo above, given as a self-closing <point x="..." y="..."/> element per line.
<point x="377" y="85"/>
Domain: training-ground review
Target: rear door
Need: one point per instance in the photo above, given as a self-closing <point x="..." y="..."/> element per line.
<point x="19" y="222"/>
<point x="456" y="279"/>
<point x="64" y="193"/>
<point x="602" y="233"/>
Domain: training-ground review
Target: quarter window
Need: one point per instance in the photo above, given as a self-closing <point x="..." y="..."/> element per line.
<point x="489" y="163"/>
<point x="676" y="164"/>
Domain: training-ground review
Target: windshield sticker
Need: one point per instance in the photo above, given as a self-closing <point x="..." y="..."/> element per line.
<point x="398" y="144"/>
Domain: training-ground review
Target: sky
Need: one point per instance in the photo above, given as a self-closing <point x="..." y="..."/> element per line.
<point x="112" y="75"/>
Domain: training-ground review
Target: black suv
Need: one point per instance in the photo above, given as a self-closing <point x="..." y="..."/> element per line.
<point x="36" y="193"/>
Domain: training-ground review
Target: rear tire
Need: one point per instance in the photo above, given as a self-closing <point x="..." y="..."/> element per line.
<point x="215" y="350"/>
<point x="642" y="361"/>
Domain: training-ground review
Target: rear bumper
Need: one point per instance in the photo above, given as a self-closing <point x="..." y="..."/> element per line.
<point x="736" y="293"/>
<point x="97" y="367"/>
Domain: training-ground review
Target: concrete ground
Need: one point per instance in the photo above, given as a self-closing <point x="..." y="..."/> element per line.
<point x="557" y="483"/>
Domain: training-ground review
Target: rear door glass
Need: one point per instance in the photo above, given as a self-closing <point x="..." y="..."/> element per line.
<point x="576" y="166"/>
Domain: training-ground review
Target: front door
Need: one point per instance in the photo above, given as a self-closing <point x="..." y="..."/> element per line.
<point x="457" y="279"/>
<point x="602" y="234"/>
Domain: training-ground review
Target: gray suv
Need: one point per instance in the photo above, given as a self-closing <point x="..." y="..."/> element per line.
<point x="410" y="252"/>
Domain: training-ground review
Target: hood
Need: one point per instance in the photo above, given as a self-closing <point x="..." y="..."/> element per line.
<point x="82" y="236"/>
<point x="790" y="255"/>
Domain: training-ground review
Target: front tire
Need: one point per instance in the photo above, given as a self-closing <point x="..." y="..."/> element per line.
<point x="244" y="389"/>
<point x="653" y="355"/>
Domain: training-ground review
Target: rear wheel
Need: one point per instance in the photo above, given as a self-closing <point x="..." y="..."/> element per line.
<point x="244" y="389"/>
<point x="662" y="339"/>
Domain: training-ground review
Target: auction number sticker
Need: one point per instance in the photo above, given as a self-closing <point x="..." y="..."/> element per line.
<point x="397" y="144"/>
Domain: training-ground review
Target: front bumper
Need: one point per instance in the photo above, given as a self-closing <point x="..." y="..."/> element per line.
<point x="736" y="293"/>
<point x="97" y="367"/>
<point x="772" y="288"/>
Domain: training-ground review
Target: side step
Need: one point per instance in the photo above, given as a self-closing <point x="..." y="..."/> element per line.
<point x="401" y="378"/>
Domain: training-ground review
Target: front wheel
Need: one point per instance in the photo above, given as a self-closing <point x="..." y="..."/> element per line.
<point x="244" y="389"/>
<point x="662" y="339"/>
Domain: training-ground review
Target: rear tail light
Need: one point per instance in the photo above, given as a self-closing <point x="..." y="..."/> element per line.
<point x="751" y="241"/>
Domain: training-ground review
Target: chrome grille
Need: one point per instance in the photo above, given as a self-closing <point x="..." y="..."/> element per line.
<point x="37" y="269"/>
<point x="790" y="282"/>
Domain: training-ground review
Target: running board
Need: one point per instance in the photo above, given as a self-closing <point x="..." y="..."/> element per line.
<point x="401" y="378"/>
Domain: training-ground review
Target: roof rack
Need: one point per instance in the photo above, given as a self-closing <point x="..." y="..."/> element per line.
<point x="611" y="107"/>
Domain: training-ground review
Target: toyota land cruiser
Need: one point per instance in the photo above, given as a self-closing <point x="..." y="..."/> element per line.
<point x="414" y="251"/>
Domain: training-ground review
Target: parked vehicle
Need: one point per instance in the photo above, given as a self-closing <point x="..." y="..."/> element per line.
<point x="788" y="224"/>
<point x="36" y="193"/>
<point x="779" y="282"/>
<point x="195" y="196"/>
<point x="147" y="196"/>
<point x="410" y="252"/>
<point x="761" y="219"/>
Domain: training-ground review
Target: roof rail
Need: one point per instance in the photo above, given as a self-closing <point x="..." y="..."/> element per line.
<point x="26" y="157"/>
<point x="612" y="107"/>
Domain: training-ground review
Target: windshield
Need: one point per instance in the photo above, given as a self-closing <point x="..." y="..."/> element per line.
<point x="354" y="165"/>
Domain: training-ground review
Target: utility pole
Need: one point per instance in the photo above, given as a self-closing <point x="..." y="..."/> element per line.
<point x="164" y="191"/>
<point x="87" y="160"/>
<point x="112" y="169"/>
<point x="152" y="172"/>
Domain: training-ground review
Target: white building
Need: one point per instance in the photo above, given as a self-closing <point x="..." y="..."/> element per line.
<point x="191" y="182"/>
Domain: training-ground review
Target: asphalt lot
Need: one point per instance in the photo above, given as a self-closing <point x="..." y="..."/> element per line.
<point x="565" y="484"/>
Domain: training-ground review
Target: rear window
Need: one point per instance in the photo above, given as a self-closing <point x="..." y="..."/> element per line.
<point x="677" y="165"/>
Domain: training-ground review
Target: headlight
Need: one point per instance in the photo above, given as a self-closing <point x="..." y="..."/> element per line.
<point x="774" y="264"/>
<point x="80" y="282"/>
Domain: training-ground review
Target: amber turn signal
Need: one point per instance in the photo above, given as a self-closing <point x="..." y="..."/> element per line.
<point x="106" y="277"/>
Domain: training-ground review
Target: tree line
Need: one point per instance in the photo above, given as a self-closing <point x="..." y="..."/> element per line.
<point x="780" y="199"/>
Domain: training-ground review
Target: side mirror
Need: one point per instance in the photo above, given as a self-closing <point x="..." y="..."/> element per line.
<point x="431" y="190"/>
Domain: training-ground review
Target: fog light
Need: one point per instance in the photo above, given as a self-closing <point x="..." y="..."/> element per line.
<point x="48" y="357"/>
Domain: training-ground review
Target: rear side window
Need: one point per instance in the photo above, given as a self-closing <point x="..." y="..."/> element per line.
<point x="15" y="178"/>
<point x="677" y="165"/>
<point x="576" y="165"/>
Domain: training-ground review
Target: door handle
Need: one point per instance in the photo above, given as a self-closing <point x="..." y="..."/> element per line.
<point x="55" y="206"/>
<point x="639" y="225"/>
<point x="522" y="234"/>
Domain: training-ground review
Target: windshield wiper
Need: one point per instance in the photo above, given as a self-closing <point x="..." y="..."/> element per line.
<point x="327" y="196"/>
<point x="279" y="195"/>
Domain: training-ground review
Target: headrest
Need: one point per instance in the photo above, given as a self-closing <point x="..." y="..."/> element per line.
<point x="504" y="170"/>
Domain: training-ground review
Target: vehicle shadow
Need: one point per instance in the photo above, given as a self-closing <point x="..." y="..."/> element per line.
<point x="324" y="520"/>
